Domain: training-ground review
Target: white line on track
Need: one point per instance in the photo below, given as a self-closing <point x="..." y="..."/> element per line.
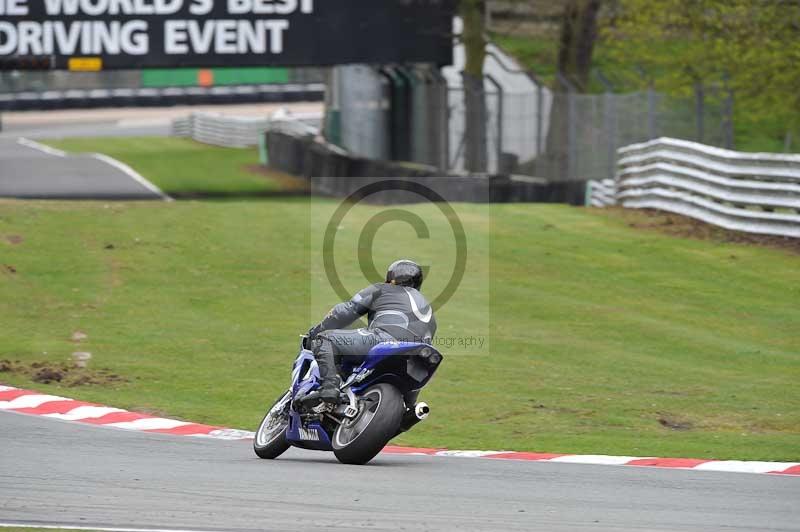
<point x="130" y="172"/>
<point x="153" y="423"/>
<point x="122" y="167"/>
<point x="595" y="459"/>
<point x="41" y="147"/>
<point x="102" y="528"/>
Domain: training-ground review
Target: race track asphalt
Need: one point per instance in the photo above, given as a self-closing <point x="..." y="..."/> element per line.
<point x="26" y="172"/>
<point x="59" y="473"/>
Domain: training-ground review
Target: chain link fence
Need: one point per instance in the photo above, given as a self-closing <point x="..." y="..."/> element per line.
<point x="414" y="114"/>
<point x="587" y="129"/>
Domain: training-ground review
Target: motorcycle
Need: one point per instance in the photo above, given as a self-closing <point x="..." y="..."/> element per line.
<point x="378" y="393"/>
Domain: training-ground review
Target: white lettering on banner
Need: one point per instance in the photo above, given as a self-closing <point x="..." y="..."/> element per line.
<point x="30" y="38"/>
<point x="200" y="39"/>
<point x="251" y="37"/>
<point x="67" y="40"/>
<point x="58" y="7"/>
<point x="286" y="7"/>
<point x="276" y="29"/>
<point x="238" y="7"/>
<point x="8" y="38"/>
<point x="94" y="37"/>
<point x="135" y="43"/>
<point x="106" y="37"/>
<point x="227" y="36"/>
<point x="224" y="37"/>
<point x="201" y="7"/>
<point x="13" y="7"/>
<point x="131" y="38"/>
<point x="269" y="7"/>
<point x="175" y="37"/>
<point x="194" y="36"/>
<point x="113" y="7"/>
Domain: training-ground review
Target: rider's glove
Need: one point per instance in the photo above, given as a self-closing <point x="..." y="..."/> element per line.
<point x="314" y="331"/>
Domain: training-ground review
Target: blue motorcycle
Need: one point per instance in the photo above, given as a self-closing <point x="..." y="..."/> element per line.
<point x="378" y="393"/>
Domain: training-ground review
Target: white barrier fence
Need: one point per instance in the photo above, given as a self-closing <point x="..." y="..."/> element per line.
<point x="751" y="192"/>
<point x="601" y="193"/>
<point x="241" y="132"/>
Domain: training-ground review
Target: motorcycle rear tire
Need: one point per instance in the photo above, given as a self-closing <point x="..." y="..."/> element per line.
<point x="379" y="429"/>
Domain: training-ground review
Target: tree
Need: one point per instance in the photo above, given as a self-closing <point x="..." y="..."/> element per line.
<point x="577" y="39"/>
<point x="575" y="48"/>
<point x="752" y="44"/>
<point x="474" y="39"/>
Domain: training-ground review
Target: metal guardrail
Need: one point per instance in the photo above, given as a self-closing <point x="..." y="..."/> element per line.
<point x="241" y="132"/>
<point x="751" y="192"/>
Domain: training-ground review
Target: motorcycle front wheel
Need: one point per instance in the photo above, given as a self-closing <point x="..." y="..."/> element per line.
<point x="358" y="440"/>
<point x="270" y="439"/>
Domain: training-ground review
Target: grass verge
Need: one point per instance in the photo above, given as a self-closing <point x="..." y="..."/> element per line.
<point x="604" y="338"/>
<point x="192" y="169"/>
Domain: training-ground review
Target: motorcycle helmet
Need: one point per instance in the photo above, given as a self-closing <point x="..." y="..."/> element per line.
<point x="405" y="272"/>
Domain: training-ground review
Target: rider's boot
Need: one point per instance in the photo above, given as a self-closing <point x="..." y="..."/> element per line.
<point x="329" y="391"/>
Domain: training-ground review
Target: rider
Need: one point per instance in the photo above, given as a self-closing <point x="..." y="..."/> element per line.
<point x="396" y="310"/>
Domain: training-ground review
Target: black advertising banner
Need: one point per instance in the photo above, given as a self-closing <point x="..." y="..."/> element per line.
<point x="116" y="34"/>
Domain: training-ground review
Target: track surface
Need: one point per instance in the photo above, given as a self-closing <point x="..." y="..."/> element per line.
<point x="55" y="472"/>
<point x="26" y="172"/>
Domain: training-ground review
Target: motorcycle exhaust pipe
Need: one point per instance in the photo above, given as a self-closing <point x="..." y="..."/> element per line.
<point x="414" y="416"/>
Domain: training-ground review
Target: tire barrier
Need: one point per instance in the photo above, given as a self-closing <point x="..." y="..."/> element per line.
<point x="161" y="97"/>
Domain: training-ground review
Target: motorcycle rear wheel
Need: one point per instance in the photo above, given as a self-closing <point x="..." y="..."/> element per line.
<point x="357" y="441"/>
<point x="269" y="441"/>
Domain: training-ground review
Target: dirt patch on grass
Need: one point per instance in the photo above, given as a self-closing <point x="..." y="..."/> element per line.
<point x="63" y="373"/>
<point x="14" y="239"/>
<point x="683" y="226"/>
<point x="671" y="422"/>
<point x="287" y="182"/>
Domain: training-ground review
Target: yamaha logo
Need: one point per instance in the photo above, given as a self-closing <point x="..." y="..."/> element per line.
<point x="306" y="434"/>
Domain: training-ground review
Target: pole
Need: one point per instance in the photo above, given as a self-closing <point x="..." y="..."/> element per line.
<point x="609" y="125"/>
<point x="699" y="109"/>
<point x="499" y="88"/>
<point x="572" y="132"/>
<point x="728" y="131"/>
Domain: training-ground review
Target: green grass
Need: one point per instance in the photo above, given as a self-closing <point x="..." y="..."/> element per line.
<point x="597" y="330"/>
<point x="539" y="55"/>
<point x="536" y="54"/>
<point x="191" y="170"/>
